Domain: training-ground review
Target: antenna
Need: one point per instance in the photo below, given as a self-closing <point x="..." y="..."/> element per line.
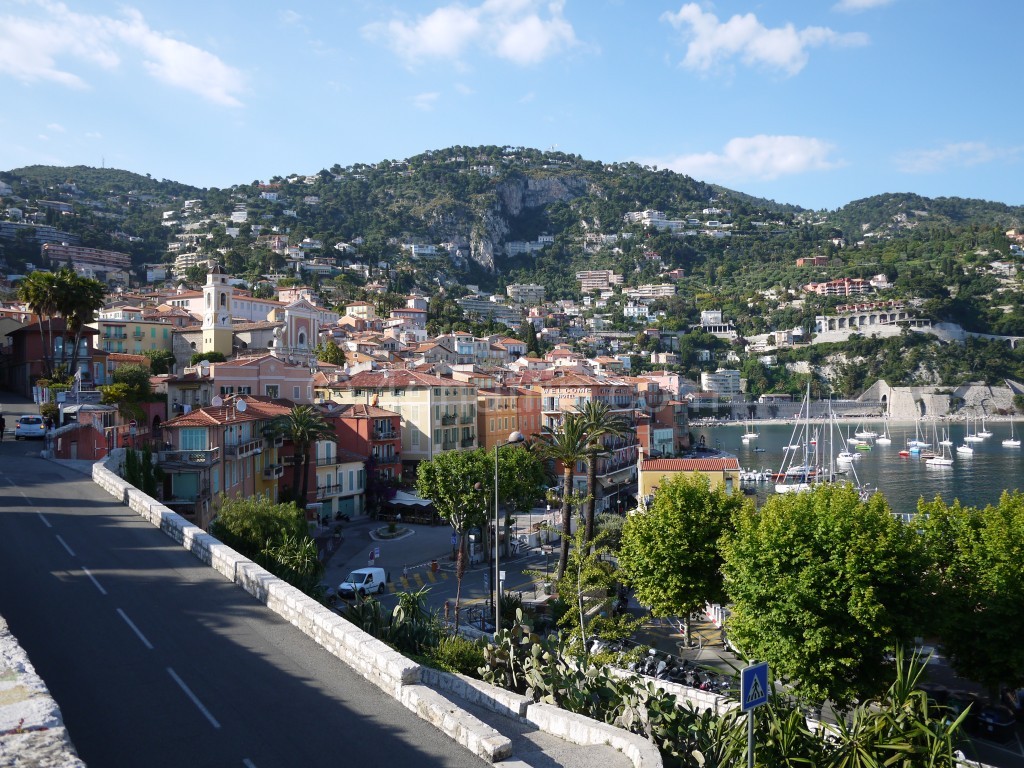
<point x="241" y="405"/>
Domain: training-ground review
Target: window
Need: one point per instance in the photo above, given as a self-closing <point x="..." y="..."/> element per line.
<point x="437" y="435"/>
<point x="245" y="390"/>
<point x="192" y="439"/>
<point x="272" y="390"/>
<point x="295" y="392"/>
<point x="437" y="391"/>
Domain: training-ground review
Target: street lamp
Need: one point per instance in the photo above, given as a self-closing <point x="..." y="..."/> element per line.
<point x="513" y="439"/>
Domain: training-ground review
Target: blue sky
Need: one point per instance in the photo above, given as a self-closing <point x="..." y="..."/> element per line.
<point x="810" y="103"/>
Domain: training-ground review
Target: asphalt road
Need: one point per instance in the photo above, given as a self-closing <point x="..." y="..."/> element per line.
<point x="156" y="660"/>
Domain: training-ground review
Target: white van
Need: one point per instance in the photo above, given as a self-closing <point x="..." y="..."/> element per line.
<point x="363" y="581"/>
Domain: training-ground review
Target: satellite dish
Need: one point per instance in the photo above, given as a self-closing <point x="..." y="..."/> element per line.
<point x="217" y="401"/>
<point x="240" y="406"/>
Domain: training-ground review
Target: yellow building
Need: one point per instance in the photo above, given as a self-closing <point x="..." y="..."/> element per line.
<point x="132" y="336"/>
<point x="438" y="414"/>
<point x="722" y="472"/>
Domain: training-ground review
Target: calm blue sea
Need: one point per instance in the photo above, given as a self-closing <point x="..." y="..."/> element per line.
<point x="975" y="480"/>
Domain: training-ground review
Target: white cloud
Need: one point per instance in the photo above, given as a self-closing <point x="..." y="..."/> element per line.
<point x="854" y="6"/>
<point x="755" y="158"/>
<point x="425" y="101"/>
<point x="464" y="89"/>
<point x="43" y="47"/>
<point x="94" y="135"/>
<point x="711" y="42"/>
<point x="289" y="17"/>
<point x="966" y="154"/>
<point x="509" y="29"/>
<point x="55" y="128"/>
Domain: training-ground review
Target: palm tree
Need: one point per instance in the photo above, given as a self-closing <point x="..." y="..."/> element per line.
<point x="305" y="426"/>
<point x="78" y="300"/>
<point x="568" y="445"/>
<point x="598" y="422"/>
<point x="39" y="293"/>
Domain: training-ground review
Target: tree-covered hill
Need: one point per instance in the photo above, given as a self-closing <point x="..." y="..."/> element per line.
<point x="489" y="216"/>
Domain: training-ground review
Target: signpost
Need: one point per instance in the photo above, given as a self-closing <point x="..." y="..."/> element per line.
<point x="753" y="693"/>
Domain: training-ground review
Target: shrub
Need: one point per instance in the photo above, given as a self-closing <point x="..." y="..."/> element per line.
<point x="456" y="653"/>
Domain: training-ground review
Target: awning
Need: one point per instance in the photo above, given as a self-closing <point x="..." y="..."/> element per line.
<point x="409" y="500"/>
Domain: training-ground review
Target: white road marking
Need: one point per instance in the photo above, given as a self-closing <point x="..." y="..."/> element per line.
<point x="65" y="545"/>
<point x="98" y="585"/>
<point x="41" y="516"/>
<point x="195" y="699"/>
<point x="248" y="763"/>
<point x="135" y="629"/>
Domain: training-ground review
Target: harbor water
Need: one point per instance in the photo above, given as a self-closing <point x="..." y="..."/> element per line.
<point x="976" y="480"/>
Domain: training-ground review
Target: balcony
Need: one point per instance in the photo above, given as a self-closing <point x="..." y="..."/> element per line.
<point x="449" y="419"/>
<point x="448" y="445"/>
<point x="327" y="461"/>
<point x="273" y="472"/>
<point x="115" y="336"/>
<point x="176" y="458"/>
<point x="385" y="434"/>
<point x="243" y="449"/>
<point x="138" y="334"/>
<point x="467" y="420"/>
<point x="328" y="491"/>
<point x="468" y="442"/>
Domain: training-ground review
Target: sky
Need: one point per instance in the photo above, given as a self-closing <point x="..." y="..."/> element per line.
<point x="813" y="103"/>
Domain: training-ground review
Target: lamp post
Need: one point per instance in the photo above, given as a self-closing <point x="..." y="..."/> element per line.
<point x="513" y="439"/>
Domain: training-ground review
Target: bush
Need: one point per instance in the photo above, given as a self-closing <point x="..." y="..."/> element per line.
<point x="455" y="653"/>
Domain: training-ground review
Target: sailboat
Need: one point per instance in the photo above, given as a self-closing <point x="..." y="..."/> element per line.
<point x="884" y="438"/>
<point x="972" y="437"/>
<point x="944" y="458"/>
<point x="1011" y="441"/>
<point x="864" y="433"/>
<point x="749" y="433"/>
<point x="965" y="448"/>
<point x="797" y="470"/>
<point x="983" y="432"/>
<point x="917" y="442"/>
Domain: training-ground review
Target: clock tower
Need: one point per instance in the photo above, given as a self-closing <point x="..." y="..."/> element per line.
<point x="217" y="333"/>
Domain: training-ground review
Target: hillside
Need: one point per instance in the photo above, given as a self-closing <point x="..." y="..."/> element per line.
<point x="490" y="216"/>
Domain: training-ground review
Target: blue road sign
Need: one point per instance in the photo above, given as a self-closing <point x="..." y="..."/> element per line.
<point x="753" y="686"/>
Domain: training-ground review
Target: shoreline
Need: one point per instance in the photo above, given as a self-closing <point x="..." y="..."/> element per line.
<point x="844" y="420"/>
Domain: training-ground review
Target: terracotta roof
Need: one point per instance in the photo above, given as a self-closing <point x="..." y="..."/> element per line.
<point x="359" y="411"/>
<point x="258" y="409"/>
<point x="690" y="465"/>
<point x="396" y="378"/>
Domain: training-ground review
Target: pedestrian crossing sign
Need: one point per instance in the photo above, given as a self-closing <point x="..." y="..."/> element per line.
<point x="753" y="686"/>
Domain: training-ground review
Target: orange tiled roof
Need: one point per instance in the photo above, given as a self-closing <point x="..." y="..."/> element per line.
<point x="690" y="465"/>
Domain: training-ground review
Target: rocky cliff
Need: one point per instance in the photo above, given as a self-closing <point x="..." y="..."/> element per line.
<point x="513" y="196"/>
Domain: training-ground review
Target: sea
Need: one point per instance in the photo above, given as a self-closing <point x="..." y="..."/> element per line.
<point x="976" y="480"/>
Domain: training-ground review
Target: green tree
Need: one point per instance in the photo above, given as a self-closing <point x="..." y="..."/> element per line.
<point x="39" y="292"/>
<point x="669" y="552"/>
<point x="213" y="357"/>
<point x="128" y="388"/>
<point x="305" y="426"/>
<point x="329" y="352"/>
<point x="588" y="589"/>
<point x="78" y="300"/>
<point x="565" y="445"/>
<point x="247" y="524"/>
<point x="822" y="584"/>
<point x="599" y="422"/>
<point x="161" y="361"/>
<point x="457" y="483"/>
<point x="976" y="556"/>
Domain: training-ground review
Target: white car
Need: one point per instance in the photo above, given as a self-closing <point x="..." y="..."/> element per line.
<point x="29" y="426"/>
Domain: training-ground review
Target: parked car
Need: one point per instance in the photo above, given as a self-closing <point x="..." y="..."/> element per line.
<point x="29" y="426"/>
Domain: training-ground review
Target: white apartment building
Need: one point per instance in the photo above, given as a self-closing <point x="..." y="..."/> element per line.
<point x="530" y="294"/>
<point x="723" y="381"/>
